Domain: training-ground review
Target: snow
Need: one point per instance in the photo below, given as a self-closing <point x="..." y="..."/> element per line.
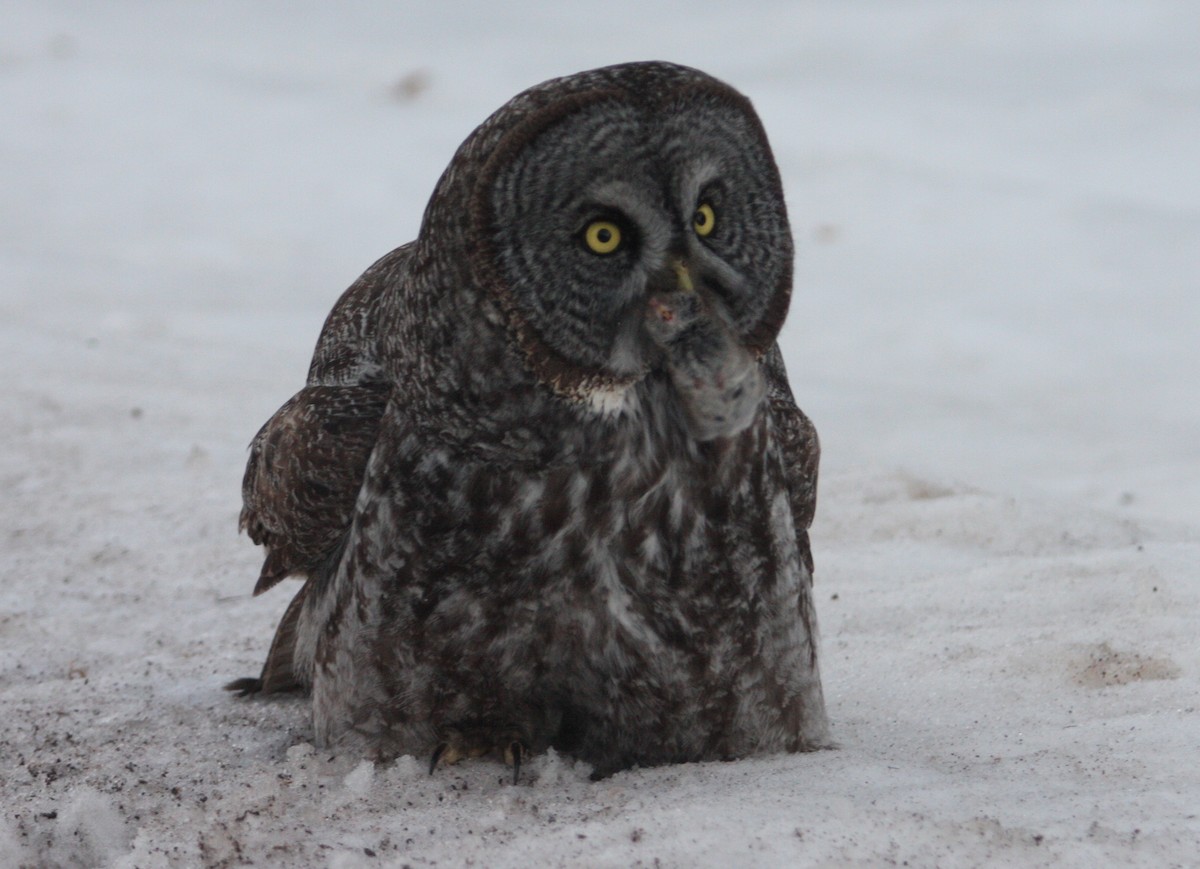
<point x="997" y="211"/>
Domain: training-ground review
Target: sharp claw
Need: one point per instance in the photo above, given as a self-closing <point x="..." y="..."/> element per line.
<point x="515" y="749"/>
<point x="437" y="755"/>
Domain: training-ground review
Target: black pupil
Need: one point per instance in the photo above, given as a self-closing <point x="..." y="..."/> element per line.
<point x="701" y="218"/>
<point x="604" y="236"/>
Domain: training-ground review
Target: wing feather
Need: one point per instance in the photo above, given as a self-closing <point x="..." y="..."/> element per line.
<point x="307" y="462"/>
<point x="305" y="469"/>
<point x="800" y="447"/>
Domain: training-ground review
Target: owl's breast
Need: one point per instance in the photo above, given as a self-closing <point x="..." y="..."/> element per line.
<point x="617" y="565"/>
<point x="650" y="579"/>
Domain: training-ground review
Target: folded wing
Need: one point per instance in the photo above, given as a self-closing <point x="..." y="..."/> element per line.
<point x="305" y="469"/>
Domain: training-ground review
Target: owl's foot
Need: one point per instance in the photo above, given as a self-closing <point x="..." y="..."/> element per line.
<point x="461" y="744"/>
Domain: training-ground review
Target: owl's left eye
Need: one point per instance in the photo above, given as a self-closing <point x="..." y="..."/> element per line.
<point x="704" y="221"/>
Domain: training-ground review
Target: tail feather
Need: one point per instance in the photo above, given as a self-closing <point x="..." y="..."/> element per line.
<point x="278" y="673"/>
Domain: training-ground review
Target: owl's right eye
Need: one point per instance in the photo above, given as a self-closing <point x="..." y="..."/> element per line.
<point x="602" y="236"/>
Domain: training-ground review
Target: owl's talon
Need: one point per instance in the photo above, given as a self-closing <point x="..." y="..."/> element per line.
<point x="459" y="745"/>
<point x="437" y="756"/>
<point x="513" y="755"/>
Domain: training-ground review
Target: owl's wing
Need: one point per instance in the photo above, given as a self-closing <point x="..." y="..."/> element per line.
<point x="305" y="469"/>
<point x="307" y="463"/>
<point x="800" y="448"/>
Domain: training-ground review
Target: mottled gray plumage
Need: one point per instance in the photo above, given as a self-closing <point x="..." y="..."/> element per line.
<point x="547" y="484"/>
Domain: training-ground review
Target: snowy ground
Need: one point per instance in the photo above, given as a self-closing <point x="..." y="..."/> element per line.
<point x="996" y="325"/>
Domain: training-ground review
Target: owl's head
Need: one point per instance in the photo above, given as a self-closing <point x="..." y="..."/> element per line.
<point x="588" y="194"/>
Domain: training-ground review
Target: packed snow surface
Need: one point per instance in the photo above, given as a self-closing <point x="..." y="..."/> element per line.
<point x="996" y="327"/>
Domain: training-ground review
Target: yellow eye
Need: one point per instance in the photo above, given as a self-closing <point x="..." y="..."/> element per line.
<point x="602" y="236"/>
<point x="704" y="220"/>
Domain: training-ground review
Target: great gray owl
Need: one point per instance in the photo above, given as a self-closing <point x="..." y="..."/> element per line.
<point x="546" y="484"/>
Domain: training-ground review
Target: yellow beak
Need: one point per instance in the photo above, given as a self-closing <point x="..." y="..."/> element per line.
<point x="684" y="280"/>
